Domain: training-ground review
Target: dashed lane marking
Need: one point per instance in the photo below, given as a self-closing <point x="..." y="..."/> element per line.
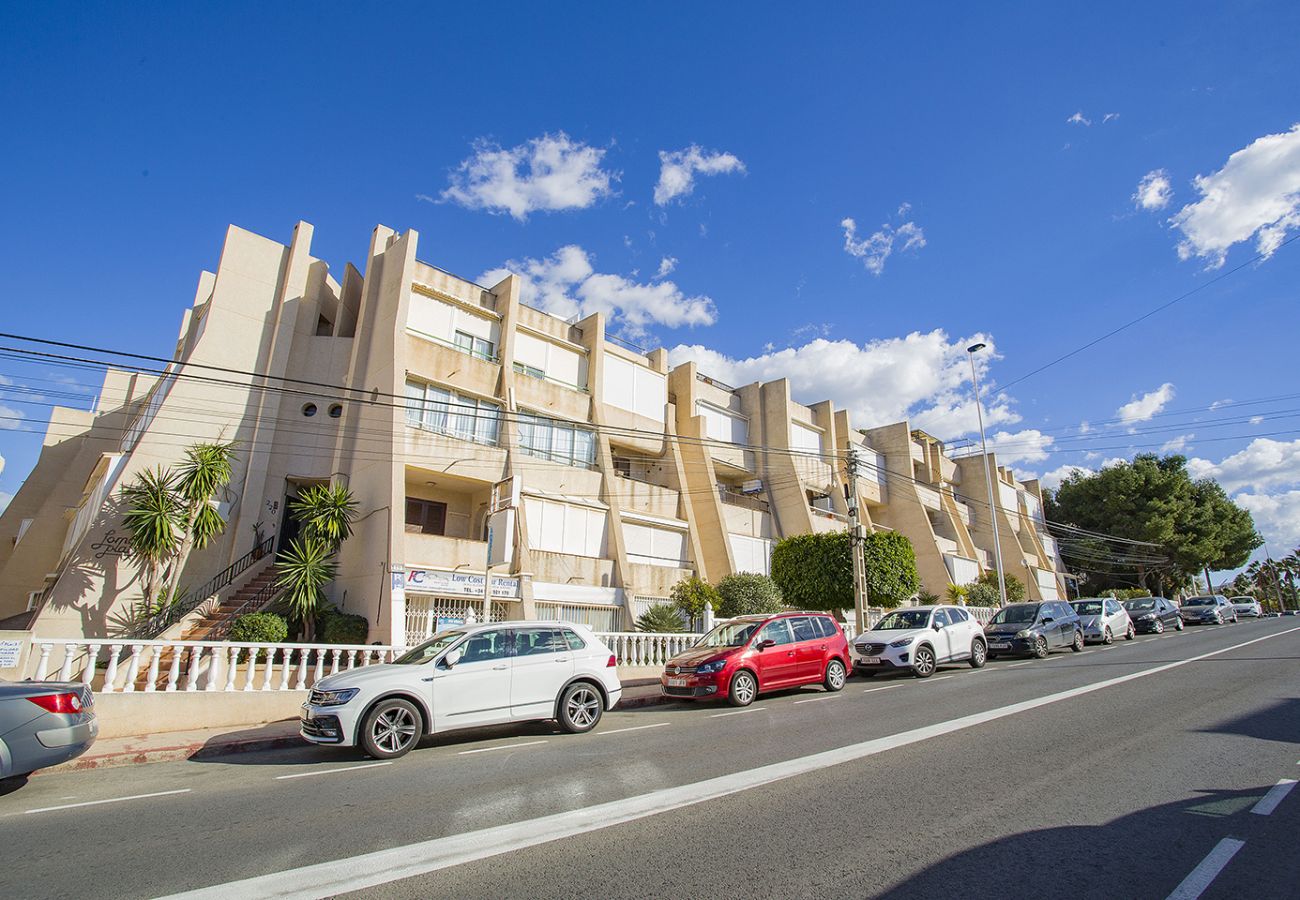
<point x="1207" y="870"/>
<point x="111" y="800"/>
<point x="815" y="699"/>
<point x="737" y="712"/>
<point x="1276" y="794"/>
<point x="890" y="687"/>
<point x="634" y="728"/>
<point x="502" y="747"/>
<point x="333" y="771"/>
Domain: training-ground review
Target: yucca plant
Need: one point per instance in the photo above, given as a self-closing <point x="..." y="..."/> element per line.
<point x="957" y="593"/>
<point x="302" y="571"/>
<point x="326" y="513"/>
<point x="204" y="474"/>
<point x="153" y="522"/>
<point x="661" y="618"/>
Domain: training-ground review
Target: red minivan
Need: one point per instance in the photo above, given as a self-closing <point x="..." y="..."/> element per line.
<point x="741" y="658"/>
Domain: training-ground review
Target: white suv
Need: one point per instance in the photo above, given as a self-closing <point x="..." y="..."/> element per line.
<point x="1246" y="606"/>
<point x="467" y="677"/>
<point x="920" y="638"/>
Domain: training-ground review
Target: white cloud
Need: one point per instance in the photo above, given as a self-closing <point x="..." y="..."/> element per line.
<point x="1139" y="409"/>
<point x="1054" y="478"/>
<point x="1154" y="191"/>
<point x="1255" y="420"/>
<point x="1079" y="119"/>
<point x="677" y="170"/>
<point x="1277" y="518"/>
<point x="1029" y="445"/>
<point x="1109" y="117"/>
<point x="874" y="250"/>
<point x="1263" y="464"/>
<point x="5" y="497"/>
<point x="1084" y="427"/>
<point x="922" y="376"/>
<point x="10" y="418"/>
<point x="567" y="285"/>
<point x="1174" y="445"/>
<point x="666" y="266"/>
<point x="551" y="172"/>
<point x="1256" y="194"/>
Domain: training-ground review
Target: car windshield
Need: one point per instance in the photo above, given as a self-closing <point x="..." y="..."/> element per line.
<point x="429" y="649"/>
<point x="729" y="634"/>
<point x="1087" y="607"/>
<point x="1016" y="614"/>
<point x="1199" y="601"/>
<point x="903" y="619"/>
<point x="1139" y="605"/>
<point x="1243" y="601"/>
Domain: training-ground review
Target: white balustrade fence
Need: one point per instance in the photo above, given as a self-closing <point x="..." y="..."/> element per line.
<point x="126" y="666"/>
<point x="644" y="648"/>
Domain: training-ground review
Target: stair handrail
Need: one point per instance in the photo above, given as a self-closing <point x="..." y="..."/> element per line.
<point x="266" y="595"/>
<point x="160" y="621"/>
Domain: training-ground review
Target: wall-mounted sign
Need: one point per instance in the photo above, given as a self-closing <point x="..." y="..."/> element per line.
<point x="9" y="653"/>
<point x="458" y="584"/>
<point x="112" y="544"/>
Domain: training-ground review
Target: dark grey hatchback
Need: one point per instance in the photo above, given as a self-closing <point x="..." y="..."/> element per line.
<point x="1034" y="629"/>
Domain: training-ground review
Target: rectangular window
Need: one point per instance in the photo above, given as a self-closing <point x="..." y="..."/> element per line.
<point x="556" y="440"/>
<point x="550" y="360"/>
<point x="530" y="371"/>
<point x="456" y="415"/>
<point x="634" y="387"/>
<point x="475" y="346"/>
<point x="721" y="425"/>
<point x="565" y="528"/>
<point x="805" y="439"/>
<point x="425" y="516"/>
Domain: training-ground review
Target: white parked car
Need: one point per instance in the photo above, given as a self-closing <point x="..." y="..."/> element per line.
<point x="1246" y="606"/>
<point x="467" y="677"/>
<point x="1103" y="619"/>
<point x="920" y="638"/>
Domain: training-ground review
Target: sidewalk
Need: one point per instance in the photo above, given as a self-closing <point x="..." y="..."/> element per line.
<point x="173" y="746"/>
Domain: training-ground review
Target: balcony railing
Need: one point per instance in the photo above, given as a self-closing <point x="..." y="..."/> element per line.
<point x="748" y="501"/>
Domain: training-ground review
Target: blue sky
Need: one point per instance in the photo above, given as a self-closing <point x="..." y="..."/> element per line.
<point x="1030" y="172"/>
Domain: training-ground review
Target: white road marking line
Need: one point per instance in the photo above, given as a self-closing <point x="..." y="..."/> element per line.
<point x="1025" y="663"/>
<point x="332" y="771"/>
<point x="890" y="687"/>
<point x="1086" y="652"/>
<point x="1199" y="878"/>
<point x="1276" y="794"/>
<point x="940" y="678"/>
<point x="383" y="866"/>
<point x="815" y="699"/>
<point x="737" y="712"/>
<point x="634" y="728"/>
<point x="98" y="802"/>
<point x="502" y="747"/>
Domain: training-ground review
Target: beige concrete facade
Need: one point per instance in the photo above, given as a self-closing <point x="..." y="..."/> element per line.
<point x="454" y="411"/>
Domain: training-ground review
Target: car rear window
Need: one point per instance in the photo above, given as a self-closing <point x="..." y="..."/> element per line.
<point x="575" y="642"/>
<point x="825" y="627"/>
<point x="804" y="630"/>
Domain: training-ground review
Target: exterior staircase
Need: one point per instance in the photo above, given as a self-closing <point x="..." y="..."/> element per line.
<point x="253" y="594"/>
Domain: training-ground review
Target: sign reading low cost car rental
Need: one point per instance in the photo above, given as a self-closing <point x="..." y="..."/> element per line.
<point x="458" y="584"/>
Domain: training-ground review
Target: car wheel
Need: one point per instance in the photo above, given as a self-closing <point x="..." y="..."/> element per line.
<point x="1040" y="648"/>
<point x="923" y="662"/>
<point x="744" y="688"/>
<point x="1077" y="646"/>
<point x="1218" y="619"/>
<point x="580" y="708"/>
<point x="1131" y="633"/>
<point x="835" y="676"/>
<point x="1160" y="626"/>
<point x="979" y="654"/>
<point x="1178" y="626"/>
<point x="391" y="729"/>
<point x="1108" y="637"/>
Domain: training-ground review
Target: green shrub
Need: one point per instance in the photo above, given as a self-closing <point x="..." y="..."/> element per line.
<point x="690" y="595"/>
<point x="926" y="598"/>
<point x="890" y="563"/>
<point x="259" y="628"/>
<point x="815" y="571"/>
<point x="745" y="594"/>
<point x="980" y="594"/>
<point x="335" y="627"/>
<point x="661" y="618"/>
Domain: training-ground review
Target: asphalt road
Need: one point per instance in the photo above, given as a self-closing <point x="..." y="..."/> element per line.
<point x="1125" y="771"/>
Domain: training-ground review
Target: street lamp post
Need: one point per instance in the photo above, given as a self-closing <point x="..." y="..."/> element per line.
<point x="994" y="499"/>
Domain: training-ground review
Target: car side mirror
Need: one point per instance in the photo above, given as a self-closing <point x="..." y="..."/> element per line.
<point x="763" y="645"/>
<point x="937" y="626"/>
<point x="1048" y="620"/>
<point x="452" y="657"/>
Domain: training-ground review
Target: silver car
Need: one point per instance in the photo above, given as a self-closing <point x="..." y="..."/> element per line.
<point x="1246" y="606"/>
<point x="1103" y="619"/>
<point x="44" y="723"/>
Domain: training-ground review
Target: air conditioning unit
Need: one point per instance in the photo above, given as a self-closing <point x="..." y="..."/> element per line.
<point x="753" y="486"/>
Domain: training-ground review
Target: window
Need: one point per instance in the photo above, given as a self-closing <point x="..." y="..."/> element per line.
<point x="957" y="615"/>
<point x="751" y="554"/>
<point x="803" y="629"/>
<point x="447" y="412"/>
<point x="721" y="425"/>
<point x="425" y="516"/>
<point x="634" y="388"/>
<point x="941" y="618"/>
<point x="777" y="632"/>
<point x="548" y="359"/>
<point x="336" y="410"/>
<point x="530" y="371"/>
<point x="558" y="441"/>
<point x="557" y="527"/>
<point x="536" y="641"/>
<point x="309" y="409"/>
<point x="655" y="546"/>
<point x="486" y="646"/>
<point x="825" y="627"/>
<point x="475" y="346"/>
<point x="575" y="642"/>
<point x="805" y="438"/>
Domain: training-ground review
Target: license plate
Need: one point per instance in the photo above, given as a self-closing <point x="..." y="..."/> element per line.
<point x="677" y="682"/>
<point x="870" y="660"/>
<point x="1000" y="645"/>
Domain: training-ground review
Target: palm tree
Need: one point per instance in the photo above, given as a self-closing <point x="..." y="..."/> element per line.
<point x="326" y="513"/>
<point x="205" y="472"/>
<point x="153" y="513"/>
<point x="957" y="594"/>
<point x="302" y="571"/>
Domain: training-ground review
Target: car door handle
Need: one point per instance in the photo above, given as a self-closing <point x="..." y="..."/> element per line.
<point x="789" y="653"/>
<point x="561" y="659"/>
<point x="499" y="668"/>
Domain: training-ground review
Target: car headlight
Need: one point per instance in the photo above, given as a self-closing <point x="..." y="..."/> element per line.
<point x="1024" y="634"/>
<point x="710" y="668"/>
<point x="1147" y="618"/>
<point x="902" y="642"/>
<point x="335" y="698"/>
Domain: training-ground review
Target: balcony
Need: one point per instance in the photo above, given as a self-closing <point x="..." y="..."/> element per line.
<point x="824" y="521"/>
<point x="437" y="551"/>
<point x="633" y="494"/>
<point x="946" y="546"/>
<point x="655" y="580"/>
<point x="745" y="501"/>
<point x="929" y="497"/>
<point x="566" y="568"/>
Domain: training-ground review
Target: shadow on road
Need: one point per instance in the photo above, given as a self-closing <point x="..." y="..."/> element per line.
<point x="1278" y="722"/>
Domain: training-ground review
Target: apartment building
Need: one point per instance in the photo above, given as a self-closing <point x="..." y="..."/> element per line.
<point x="506" y="463"/>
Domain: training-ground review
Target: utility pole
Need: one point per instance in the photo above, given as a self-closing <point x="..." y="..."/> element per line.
<point x="856" y="541"/>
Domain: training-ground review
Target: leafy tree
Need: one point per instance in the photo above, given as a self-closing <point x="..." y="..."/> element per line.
<point x="814" y="571"/>
<point x="1192" y="524"/>
<point x="979" y="594"/>
<point x="661" y="618"/>
<point x="747" y="593"/>
<point x="691" y="594"/>
<point x="890" y="568"/>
